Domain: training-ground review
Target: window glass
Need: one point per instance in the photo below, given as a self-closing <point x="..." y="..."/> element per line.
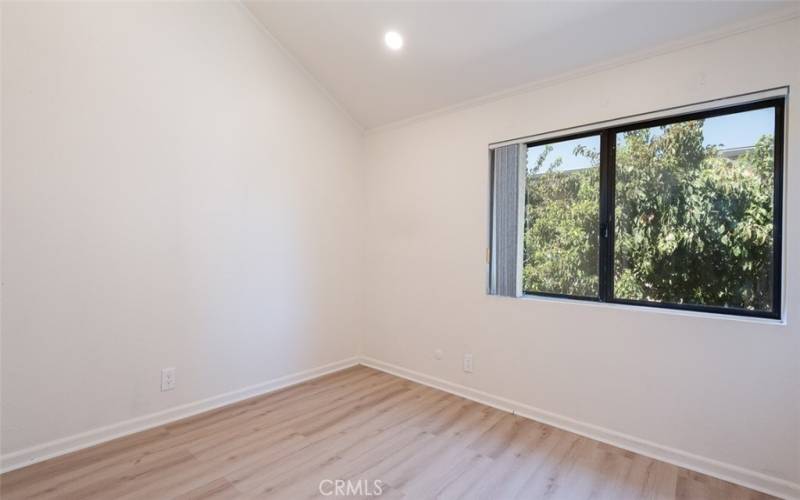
<point x="562" y="203"/>
<point x="694" y="212"/>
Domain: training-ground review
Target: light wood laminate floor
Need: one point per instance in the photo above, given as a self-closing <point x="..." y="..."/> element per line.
<point x="359" y="424"/>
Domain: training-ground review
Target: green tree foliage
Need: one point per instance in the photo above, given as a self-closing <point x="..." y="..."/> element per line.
<point x="691" y="225"/>
<point x="561" y="215"/>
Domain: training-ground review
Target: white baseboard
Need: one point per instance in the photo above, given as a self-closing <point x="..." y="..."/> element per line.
<point x="733" y="473"/>
<point x="38" y="453"/>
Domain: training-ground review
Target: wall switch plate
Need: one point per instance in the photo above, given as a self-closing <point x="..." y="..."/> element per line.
<point x="468" y="363"/>
<point x="167" y="379"/>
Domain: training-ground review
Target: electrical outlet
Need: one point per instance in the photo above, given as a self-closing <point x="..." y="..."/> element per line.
<point x="167" y="379"/>
<point x="468" y="363"/>
<point x="438" y="354"/>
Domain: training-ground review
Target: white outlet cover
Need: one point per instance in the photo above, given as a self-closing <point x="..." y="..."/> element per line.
<point x="468" y="363"/>
<point x="167" y="379"/>
<point x="438" y="354"/>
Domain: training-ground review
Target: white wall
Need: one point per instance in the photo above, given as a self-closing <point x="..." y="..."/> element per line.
<point x="724" y="389"/>
<point x="175" y="192"/>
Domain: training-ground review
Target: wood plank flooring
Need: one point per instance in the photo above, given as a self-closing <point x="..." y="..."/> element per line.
<point x="362" y="425"/>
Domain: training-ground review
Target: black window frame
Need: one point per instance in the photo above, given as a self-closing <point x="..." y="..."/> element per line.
<point x="606" y="222"/>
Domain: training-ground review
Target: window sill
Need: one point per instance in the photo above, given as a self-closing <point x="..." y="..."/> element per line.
<point x="657" y="310"/>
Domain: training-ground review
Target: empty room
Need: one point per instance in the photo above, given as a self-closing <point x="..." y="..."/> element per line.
<point x="399" y="250"/>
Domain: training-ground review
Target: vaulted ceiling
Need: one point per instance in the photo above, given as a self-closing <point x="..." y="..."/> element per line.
<point x="459" y="51"/>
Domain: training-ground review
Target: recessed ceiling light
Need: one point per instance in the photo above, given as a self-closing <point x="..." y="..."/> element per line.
<point x="393" y="40"/>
